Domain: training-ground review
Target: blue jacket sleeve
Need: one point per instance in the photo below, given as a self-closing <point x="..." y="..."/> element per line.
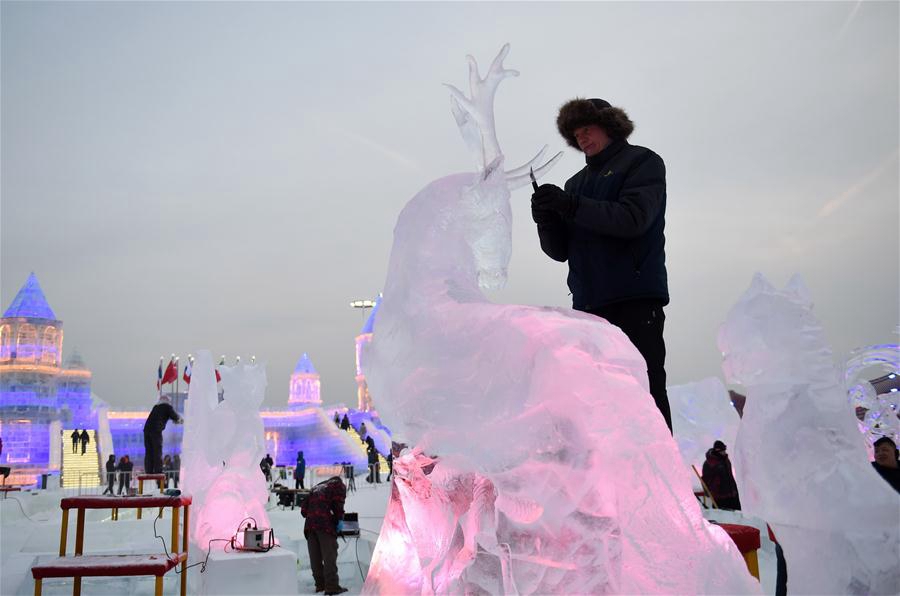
<point x="640" y="201"/>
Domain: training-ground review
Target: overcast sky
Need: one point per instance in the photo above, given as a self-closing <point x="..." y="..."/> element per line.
<point x="227" y="175"/>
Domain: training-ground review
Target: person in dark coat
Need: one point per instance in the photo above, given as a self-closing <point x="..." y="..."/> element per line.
<point x="337" y="420"/>
<point x="85" y="439"/>
<point x="156" y="422"/>
<point x="111" y="469"/>
<point x="323" y="509"/>
<point x="363" y="432"/>
<point x="76" y="436"/>
<point x="719" y="479"/>
<point x="299" y="471"/>
<point x="345" y="423"/>
<point x="264" y="466"/>
<point x="886" y="461"/>
<point x="374" y="471"/>
<point x="167" y="468"/>
<point x="176" y="469"/>
<point x="608" y="224"/>
<point x="125" y="468"/>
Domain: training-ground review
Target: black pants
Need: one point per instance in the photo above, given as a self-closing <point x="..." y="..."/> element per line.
<point x="152" y="453"/>
<point x="323" y="549"/>
<point x="124" y="482"/>
<point x="643" y="321"/>
<point x="374" y="473"/>
<point x="111" y="481"/>
<point x="298" y="479"/>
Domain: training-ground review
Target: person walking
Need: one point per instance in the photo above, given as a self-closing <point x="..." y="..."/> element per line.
<point x="323" y="511"/>
<point x="85" y="439"/>
<point x="608" y="224"/>
<point x="76" y="436"/>
<point x="156" y="422"/>
<point x="299" y="471"/>
<point x="372" y="453"/>
<point x="110" y="475"/>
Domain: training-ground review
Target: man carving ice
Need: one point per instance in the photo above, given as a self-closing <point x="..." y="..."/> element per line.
<point x="161" y="413"/>
<point x="608" y="224"/>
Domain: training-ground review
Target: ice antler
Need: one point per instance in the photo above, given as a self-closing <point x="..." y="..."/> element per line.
<point x="475" y="118"/>
<point x="475" y="115"/>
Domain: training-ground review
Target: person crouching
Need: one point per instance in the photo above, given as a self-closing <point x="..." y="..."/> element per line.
<point x="323" y="509"/>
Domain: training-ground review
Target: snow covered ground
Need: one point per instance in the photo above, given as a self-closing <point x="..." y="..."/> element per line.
<point x="24" y="541"/>
<point x="31" y="533"/>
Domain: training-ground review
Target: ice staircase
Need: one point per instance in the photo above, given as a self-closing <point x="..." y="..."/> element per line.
<point x="383" y="467"/>
<point x="80" y="471"/>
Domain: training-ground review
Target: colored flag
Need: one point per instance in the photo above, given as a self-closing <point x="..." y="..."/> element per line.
<point x="159" y="375"/>
<point x="171" y="373"/>
<point x="218" y="376"/>
<point x="186" y="377"/>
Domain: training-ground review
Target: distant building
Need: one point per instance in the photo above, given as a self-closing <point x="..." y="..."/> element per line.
<point x="38" y="397"/>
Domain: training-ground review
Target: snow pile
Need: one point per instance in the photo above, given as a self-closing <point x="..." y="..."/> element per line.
<point x="541" y="464"/>
<point x="801" y="462"/>
<point x="223" y="444"/>
<point x="701" y="414"/>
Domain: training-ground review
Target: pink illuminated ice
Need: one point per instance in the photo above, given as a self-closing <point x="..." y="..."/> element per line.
<point x="223" y="444"/>
<point x="540" y="463"/>
<point x="800" y="461"/>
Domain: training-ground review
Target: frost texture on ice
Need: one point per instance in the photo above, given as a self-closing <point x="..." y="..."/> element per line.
<point x="701" y="414"/>
<point x="801" y="462"/>
<point x="223" y="444"/>
<point x="540" y="463"/>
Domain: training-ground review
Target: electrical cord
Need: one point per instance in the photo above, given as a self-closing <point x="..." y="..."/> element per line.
<point x="22" y="509"/>
<point x="202" y="563"/>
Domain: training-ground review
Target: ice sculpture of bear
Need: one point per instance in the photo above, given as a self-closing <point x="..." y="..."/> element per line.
<point x="554" y="471"/>
<point x="801" y="462"/>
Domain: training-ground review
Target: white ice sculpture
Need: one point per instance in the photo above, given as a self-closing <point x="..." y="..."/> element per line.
<point x="881" y="416"/>
<point x="800" y="461"/>
<point x="223" y="444"/>
<point x="701" y="414"/>
<point x="540" y="463"/>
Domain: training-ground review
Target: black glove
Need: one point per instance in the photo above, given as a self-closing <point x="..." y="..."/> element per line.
<point x="549" y="197"/>
<point x="544" y="216"/>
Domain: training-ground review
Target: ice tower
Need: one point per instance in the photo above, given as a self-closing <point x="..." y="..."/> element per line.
<point x="305" y="385"/>
<point x="364" y="398"/>
<point x="37" y="396"/>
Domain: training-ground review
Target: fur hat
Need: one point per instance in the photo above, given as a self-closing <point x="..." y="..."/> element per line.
<point x="580" y="112"/>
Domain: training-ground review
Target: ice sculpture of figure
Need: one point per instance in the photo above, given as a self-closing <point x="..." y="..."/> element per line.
<point x="554" y="470"/>
<point x="881" y="410"/>
<point x="701" y="414"/>
<point x="800" y="460"/>
<point x="223" y="443"/>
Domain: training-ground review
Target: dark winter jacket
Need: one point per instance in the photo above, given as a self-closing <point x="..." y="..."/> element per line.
<point x="718" y="477"/>
<point x="301" y="466"/>
<point x="111" y="465"/>
<point x="159" y="416"/>
<point x="891" y="475"/>
<point x="371" y="451"/>
<point x="614" y="242"/>
<point x="324" y="507"/>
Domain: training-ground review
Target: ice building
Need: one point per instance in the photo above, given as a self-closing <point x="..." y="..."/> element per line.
<point x="364" y="398"/>
<point x="40" y="398"/>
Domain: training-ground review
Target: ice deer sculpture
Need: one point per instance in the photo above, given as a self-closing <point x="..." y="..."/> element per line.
<point x="540" y="462"/>
<point x="801" y="462"/>
<point x="223" y="444"/>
